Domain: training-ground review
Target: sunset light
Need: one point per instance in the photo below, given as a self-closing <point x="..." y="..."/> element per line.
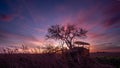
<point x="59" y="33"/>
<point x="23" y="21"/>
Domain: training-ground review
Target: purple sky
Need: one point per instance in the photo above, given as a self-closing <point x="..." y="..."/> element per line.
<point x="26" y="21"/>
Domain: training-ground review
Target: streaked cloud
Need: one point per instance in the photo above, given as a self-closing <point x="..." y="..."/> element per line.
<point x="30" y="20"/>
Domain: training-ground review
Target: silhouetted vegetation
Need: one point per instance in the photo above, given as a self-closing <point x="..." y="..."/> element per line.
<point x="66" y="33"/>
<point x="54" y="56"/>
<point x="114" y="61"/>
<point x="53" y="61"/>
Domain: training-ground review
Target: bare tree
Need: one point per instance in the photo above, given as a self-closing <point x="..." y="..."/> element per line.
<point x="66" y="33"/>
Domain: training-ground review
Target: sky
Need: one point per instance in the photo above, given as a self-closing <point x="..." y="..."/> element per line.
<point x="26" y="21"/>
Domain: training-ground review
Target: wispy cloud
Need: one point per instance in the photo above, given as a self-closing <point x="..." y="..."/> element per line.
<point x="112" y="14"/>
<point x="6" y="18"/>
<point x="10" y="17"/>
<point x="8" y="36"/>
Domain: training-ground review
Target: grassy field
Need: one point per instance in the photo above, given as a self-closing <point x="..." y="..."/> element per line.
<point x="114" y="61"/>
<point x="107" y="58"/>
<point x="54" y="61"/>
<point x="31" y="61"/>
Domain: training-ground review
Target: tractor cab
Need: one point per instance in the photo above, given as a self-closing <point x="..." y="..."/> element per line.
<point x="82" y="44"/>
<point x="80" y="48"/>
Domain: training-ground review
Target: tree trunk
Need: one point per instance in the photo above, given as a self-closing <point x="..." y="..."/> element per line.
<point x="70" y="44"/>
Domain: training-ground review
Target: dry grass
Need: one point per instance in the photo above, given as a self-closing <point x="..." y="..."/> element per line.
<point x="45" y="61"/>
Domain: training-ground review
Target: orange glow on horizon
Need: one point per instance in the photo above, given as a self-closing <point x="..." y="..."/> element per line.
<point x="92" y="49"/>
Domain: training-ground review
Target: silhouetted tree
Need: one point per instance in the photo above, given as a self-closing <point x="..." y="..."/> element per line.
<point x="66" y="33"/>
